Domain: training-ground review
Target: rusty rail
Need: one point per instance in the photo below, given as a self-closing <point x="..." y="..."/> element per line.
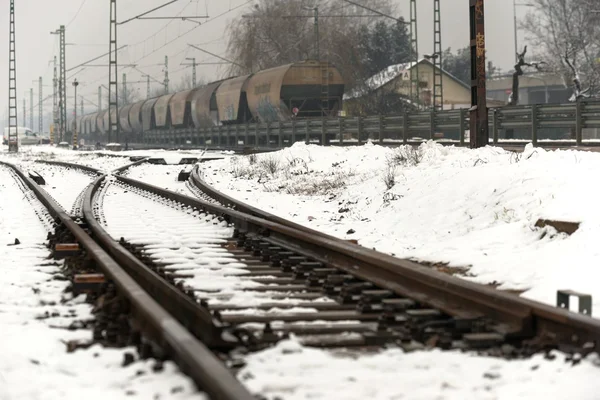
<point x="516" y="317"/>
<point x="194" y="358"/>
<point x="237" y="205"/>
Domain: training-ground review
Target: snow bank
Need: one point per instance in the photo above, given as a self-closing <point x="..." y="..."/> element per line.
<point x="469" y="208"/>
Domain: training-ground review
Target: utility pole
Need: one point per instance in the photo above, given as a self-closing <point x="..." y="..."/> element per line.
<point x="40" y="108"/>
<point x="124" y="89"/>
<point x="147" y="86"/>
<point x="13" y="134"/>
<point x="99" y="98"/>
<point x="62" y="84"/>
<point x="316" y="26"/>
<point x="54" y="103"/>
<point x="82" y="113"/>
<point x="31" y="109"/>
<point x="193" y="70"/>
<point x="113" y="99"/>
<point x="166" y="74"/>
<point x="479" y="130"/>
<point x="438" y="96"/>
<point x="75" y="141"/>
<point x="414" y="44"/>
<point x="24" y="112"/>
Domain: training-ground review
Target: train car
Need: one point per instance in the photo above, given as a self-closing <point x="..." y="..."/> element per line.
<point x="180" y="109"/>
<point x="311" y="88"/>
<point x="91" y="122"/>
<point x="148" y="117"/>
<point x="113" y="117"/>
<point x="232" y="104"/>
<point x="135" y="116"/>
<point x="203" y="106"/>
<point x="124" y="118"/>
<point x="162" y="114"/>
<point x="79" y="124"/>
<point x="100" y="122"/>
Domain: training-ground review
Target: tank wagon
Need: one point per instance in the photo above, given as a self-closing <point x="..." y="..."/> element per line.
<point x="299" y="90"/>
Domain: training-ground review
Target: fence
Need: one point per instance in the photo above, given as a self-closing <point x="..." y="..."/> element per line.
<point x="531" y="123"/>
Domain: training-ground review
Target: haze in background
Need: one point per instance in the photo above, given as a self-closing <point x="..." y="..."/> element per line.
<point x="150" y="40"/>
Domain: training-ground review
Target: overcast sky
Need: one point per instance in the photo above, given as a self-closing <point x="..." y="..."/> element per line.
<point x="149" y="41"/>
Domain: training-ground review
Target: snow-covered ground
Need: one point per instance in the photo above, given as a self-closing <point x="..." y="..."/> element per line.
<point x="34" y="313"/>
<point x="290" y="371"/>
<point x="103" y="160"/>
<point x="470" y="208"/>
<point x="163" y="176"/>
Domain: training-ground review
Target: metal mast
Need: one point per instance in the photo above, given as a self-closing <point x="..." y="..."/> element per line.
<point x="54" y="103"/>
<point x="124" y="90"/>
<point x="24" y="112"/>
<point x="40" y="109"/>
<point x="31" y="109"/>
<point x="166" y="74"/>
<point x="148" y="86"/>
<point x="99" y="98"/>
<point x="13" y="141"/>
<point x="75" y="124"/>
<point x="438" y="94"/>
<point x="113" y="88"/>
<point x="414" y="71"/>
<point x="316" y="26"/>
<point x="193" y="71"/>
<point x="62" y="85"/>
<point x="81" y="105"/>
<point x="479" y="129"/>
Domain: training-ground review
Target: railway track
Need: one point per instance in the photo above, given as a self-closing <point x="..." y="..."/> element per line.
<point x="128" y="313"/>
<point x="289" y="279"/>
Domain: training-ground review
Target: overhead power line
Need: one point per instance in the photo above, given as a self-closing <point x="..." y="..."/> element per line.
<point x="94" y="59"/>
<point x="377" y="12"/>
<point x="147" y="12"/>
<point x="215" y="55"/>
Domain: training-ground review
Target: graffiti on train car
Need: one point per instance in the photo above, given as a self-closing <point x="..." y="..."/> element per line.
<point x="268" y="112"/>
<point x="230" y="113"/>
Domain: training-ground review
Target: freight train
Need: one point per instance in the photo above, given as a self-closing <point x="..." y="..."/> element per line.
<point x="299" y="90"/>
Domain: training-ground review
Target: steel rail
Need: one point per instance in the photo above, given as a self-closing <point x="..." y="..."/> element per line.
<point x="190" y="314"/>
<point x="90" y="169"/>
<point x="517" y="317"/>
<point x="237" y="205"/>
<point x="195" y="359"/>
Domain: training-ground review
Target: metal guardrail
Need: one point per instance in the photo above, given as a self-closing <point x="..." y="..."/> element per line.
<point x="531" y="123"/>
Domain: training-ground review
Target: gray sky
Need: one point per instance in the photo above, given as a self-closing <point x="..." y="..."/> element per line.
<point x="150" y="41"/>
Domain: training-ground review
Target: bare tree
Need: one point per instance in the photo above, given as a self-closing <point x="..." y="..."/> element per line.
<point x="513" y="99"/>
<point x="578" y="93"/>
<point x="567" y="29"/>
<point x="275" y="32"/>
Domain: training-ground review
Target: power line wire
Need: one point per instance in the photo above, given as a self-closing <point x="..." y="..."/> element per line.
<point x="77" y="13"/>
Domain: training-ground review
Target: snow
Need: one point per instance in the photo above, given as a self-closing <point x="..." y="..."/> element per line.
<point x="470" y="208"/>
<point x="163" y="176"/>
<point x="34" y="312"/>
<point x="292" y="372"/>
<point x="473" y="208"/>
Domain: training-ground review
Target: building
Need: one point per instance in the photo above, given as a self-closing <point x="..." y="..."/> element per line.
<point x="534" y="88"/>
<point x="395" y="79"/>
